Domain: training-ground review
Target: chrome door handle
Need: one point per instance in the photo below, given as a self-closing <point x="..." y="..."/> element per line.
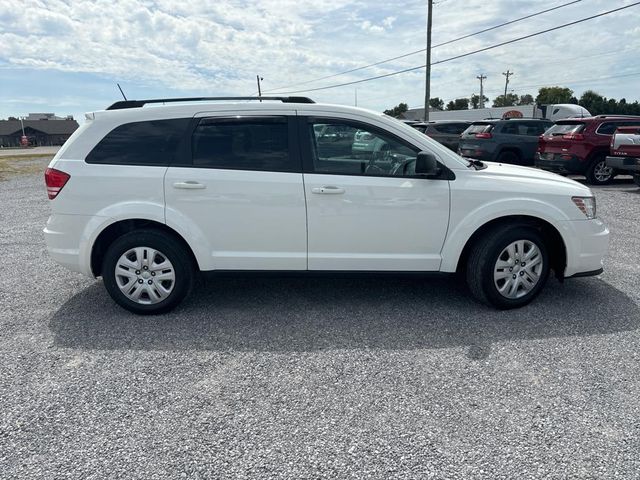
<point x="328" y="190"/>
<point x="189" y="185"/>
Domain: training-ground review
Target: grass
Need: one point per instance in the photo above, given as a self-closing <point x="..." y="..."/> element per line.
<point x="20" y="165"/>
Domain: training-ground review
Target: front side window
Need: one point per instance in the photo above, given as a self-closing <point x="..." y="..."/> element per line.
<point x="242" y="144"/>
<point x="152" y="143"/>
<point x="342" y="147"/>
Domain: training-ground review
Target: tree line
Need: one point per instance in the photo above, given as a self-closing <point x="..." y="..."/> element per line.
<point x="591" y="100"/>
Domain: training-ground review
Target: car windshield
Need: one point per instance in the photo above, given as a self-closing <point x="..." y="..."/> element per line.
<point x="565" y="128"/>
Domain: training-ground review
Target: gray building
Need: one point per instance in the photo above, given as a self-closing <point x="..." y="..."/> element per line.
<point x="42" y="132"/>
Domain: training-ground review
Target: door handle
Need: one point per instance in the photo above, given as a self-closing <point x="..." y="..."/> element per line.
<point x="328" y="190"/>
<point x="189" y="185"/>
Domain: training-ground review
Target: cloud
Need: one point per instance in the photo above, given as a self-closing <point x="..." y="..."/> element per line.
<point x="218" y="46"/>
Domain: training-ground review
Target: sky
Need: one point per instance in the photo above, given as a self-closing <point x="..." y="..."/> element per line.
<point x="65" y="56"/>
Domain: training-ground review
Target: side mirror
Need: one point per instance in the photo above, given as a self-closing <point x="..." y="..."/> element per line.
<point x="427" y="165"/>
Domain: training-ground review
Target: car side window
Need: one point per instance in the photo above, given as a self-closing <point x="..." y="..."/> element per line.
<point x="510" y="128"/>
<point x="607" y="128"/>
<point x="242" y="144"/>
<point x="148" y="143"/>
<point x="351" y="148"/>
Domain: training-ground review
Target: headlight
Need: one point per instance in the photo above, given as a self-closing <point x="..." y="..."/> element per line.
<point x="586" y="205"/>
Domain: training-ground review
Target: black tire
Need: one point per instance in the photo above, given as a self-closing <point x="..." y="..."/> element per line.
<point x="594" y="172"/>
<point x="509" y="156"/>
<point x="169" y="247"/>
<point x="636" y="179"/>
<point x="482" y="261"/>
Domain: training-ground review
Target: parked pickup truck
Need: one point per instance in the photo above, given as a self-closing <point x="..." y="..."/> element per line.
<point x="625" y="151"/>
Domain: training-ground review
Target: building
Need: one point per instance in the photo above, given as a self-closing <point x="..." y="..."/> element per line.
<point x="41" y="129"/>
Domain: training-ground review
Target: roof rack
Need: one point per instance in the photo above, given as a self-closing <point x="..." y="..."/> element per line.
<point x="139" y="103"/>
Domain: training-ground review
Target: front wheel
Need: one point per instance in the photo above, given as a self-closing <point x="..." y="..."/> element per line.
<point x="636" y="179"/>
<point x="508" y="267"/>
<point x="599" y="173"/>
<point x="147" y="272"/>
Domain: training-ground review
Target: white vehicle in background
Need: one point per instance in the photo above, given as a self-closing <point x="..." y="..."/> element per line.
<point x="146" y="195"/>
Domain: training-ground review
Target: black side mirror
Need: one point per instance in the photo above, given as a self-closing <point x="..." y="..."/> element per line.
<point x="427" y="165"/>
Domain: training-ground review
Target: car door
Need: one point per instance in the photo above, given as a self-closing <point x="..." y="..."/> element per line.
<point x="366" y="208"/>
<point x="239" y="191"/>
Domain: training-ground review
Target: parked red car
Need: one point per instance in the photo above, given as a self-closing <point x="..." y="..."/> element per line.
<point x="625" y="152"/>
<point x="581" y="145"/>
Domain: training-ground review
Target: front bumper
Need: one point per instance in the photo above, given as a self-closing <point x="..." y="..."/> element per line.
<point x="631" y="164"/>
<point x="587" y="244"/>
<point x="560" y="163"/>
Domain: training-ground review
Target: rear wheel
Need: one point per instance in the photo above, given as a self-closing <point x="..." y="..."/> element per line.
<point x="508" y="156"/>
<point x="636" y="179"/>
<point x="147" y="272"/>
<point x="508" y="267"/>
<point x="599" y="173"/>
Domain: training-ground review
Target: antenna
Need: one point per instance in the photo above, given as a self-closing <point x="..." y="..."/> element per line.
<point x="120" y="88"/>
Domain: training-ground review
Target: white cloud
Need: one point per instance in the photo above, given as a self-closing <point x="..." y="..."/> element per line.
<point x="218" y="46"/>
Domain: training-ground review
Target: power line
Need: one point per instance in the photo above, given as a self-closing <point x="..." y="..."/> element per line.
<point x="424" y="49"/>
<point x="377" y="77"/>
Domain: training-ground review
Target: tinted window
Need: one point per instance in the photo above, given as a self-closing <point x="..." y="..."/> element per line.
<point x="530" y="129"/>
<point x="242" y="144"/>
<point x="153" y="142"/>
<point x="608" y="128"/>
<point x="359" y="150"/>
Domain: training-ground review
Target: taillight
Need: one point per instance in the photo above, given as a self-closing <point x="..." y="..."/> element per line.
<point x="484" y="135"/>
<point x="573" y="136"/>
<point x="55" y="180"/>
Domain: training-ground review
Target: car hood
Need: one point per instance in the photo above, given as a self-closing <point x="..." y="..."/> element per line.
<point x="535" y="177"/>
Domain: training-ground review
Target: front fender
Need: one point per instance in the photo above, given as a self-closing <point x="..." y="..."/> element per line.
<point x="462" y="227"/>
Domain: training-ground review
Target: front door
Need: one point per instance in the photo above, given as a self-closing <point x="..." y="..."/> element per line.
<point x="240" y="192"/>
<point x="366" y="208"/>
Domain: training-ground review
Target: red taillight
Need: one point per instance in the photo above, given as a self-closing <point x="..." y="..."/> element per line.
<point x="483" y="135"/>
<point x="573" y="136"/>
<point x="55" y="180"/>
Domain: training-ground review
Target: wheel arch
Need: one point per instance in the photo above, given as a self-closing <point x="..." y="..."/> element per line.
<point x="553" y="240"/>
<point x="121" y="227"/>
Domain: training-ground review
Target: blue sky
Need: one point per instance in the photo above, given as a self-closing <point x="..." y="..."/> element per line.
<point x="65" y="56"/>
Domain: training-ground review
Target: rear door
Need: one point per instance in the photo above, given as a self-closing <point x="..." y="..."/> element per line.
<point x="239" y="191"/>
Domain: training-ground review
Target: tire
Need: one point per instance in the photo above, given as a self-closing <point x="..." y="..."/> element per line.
<point x="636" y="179"/>
<point x="599" y="173"/>
<point x="508" y="156"/>
<point x="482" y="267"/>
<point x="128" y="272"/>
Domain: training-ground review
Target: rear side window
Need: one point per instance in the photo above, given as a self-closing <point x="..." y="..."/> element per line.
<point x="565" y="128"/>
<point x="150" y="143"/>
<point x="243" y="144"/>
<point x="608" y="128"/>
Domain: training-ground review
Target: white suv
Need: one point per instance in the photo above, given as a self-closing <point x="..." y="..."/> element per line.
<point x="148" y="193"/>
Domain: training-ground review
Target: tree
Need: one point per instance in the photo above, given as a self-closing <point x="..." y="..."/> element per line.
<point x="13" y="118"/>
<point x="550" y="95"/>
<point x="593" y="101"/>
<point x="509" y="101"/>
<point x="475" y="101"/>
<point x="397" y="110"/>
<point x="436" y="102"/>
<point x="525" y="99"/>
<point x="458" y="104"/>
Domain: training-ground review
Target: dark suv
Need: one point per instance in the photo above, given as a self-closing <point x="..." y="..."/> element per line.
<point x="446" y="132"/>
<point x="581" y="145"/>
<point x="506" y="141"/>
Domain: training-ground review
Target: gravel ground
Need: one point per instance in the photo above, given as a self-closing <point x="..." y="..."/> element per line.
<point x="316" y="377"/>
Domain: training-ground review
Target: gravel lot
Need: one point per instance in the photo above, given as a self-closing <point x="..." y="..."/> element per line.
<point x="316" y="377"/>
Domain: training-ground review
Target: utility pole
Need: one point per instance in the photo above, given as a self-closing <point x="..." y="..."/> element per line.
<point x="258" y="79"/>
<point x="507" y="74"/>
<point x="481" y="77"/>
<point x="427" y="89"/>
